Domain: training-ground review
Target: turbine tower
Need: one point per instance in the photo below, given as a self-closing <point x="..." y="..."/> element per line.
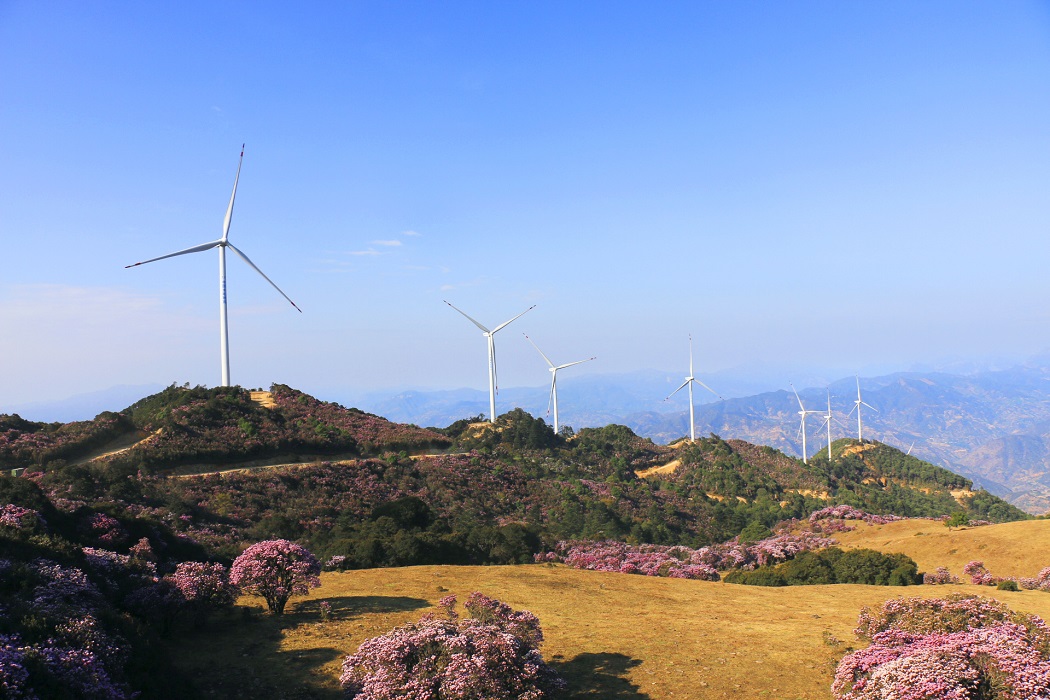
<point x="828" y="418"/>
<point x="689" y="381"/>
<point x="554" y="380"/>
<point x="803" y="411"/>
<point x="222" y="244"/>
<point x="856" y="407"/>
<point x="492" y="354"/>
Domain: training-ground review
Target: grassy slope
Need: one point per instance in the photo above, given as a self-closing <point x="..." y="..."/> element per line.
<point x="1008" y="549"/>
<point x="611" y="635"/>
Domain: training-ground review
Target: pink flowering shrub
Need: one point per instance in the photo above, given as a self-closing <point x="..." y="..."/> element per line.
<point x="105" y="530"/>
<point x="205" y="587"/>
<point x="679" y="561"/>
<point x="20" y="518"/>
<point x="276" y="570"/>
<point x="832" y="519"/>
<point x="493" y="655"/>
<point x="941" y="577"/>
<point x="962" y="648"/>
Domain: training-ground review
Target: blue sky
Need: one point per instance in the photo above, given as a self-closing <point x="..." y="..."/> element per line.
<point x="805" y="184"/>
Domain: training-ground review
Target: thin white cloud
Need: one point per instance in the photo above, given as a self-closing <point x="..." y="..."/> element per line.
<point x="369" y="251"/>
<point x="387" y="243"/>
<point x="411" y="233"/>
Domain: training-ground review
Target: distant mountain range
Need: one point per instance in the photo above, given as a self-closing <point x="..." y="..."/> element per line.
<point x="993" y="426"/>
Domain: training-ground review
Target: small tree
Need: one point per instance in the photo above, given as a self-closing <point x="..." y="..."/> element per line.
<point x="276" y="570"/>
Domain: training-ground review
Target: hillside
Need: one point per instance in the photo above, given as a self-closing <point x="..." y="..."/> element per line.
<point x="992" y="426"/>
<point x="182" y="426"/>
<point x="492" y="494"/>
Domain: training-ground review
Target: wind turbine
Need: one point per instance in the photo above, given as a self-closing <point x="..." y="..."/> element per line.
<point x="689" y="381"/>
<point x="803" y="411"/>
<point x="554" y="380"/>
<point x="856" y="407"/>
<point x="222" y="244"/>
<point x="828" y="418"/>
<point x="492" y="354"/>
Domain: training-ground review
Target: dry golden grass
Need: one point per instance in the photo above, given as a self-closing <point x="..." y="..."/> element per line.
<point x="610" y="635"/>
<point x="1009" y="549"/>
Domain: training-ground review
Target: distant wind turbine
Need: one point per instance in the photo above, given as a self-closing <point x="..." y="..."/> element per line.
<point x="553" y="399"/>
<point x="222" y="244"/>
<point x="856" y="407"/>
<point x="689" y="381"/>
<point x="803" y="411"/>
<point x="828" y="418"/>
<point x="492" y="354"/>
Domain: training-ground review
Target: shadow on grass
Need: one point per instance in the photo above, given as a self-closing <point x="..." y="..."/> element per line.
<point x="244" y="653"/>
<point x="599" y="676"/>
<point x="348" y="607"/>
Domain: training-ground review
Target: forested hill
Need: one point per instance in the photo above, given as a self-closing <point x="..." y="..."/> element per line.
<point x="182" y="425"/>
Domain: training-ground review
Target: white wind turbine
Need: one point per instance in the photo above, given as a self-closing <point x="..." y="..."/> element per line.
<point x="553" y="399"/>
<point x="803" y="411"/>
<point x="689" y="381"/>
<point x="222" y="244"/>
<point x="856" y="407"/>
<point x="492" y="354"/>
<point x="828" y="418"/>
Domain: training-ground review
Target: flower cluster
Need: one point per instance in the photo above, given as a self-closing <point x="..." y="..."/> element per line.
<point x="276" y="570"/>
<point x="831" y="519"/>
<point x="204" y="587"/>
<point x="492" y="654"/>
<point x="679" y="561"/>
<point x="940" y="577"/>
<point x="69" y="652"/>
<point x="105" y="529"/>
<point x="20" y="518"/>
<point x="959" y="648"/>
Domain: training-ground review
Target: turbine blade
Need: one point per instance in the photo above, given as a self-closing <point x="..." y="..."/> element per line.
<point x="537" y="349"/>
<point x="483" y="329"/>
<point x="550" y="397"/>
<point x="684" y="384"/>
<point x="578" y="362"/>
<point x="495" y="374"/>
<point x="871" y="407"/>
<point x="229" y="209"/>
<point x="507" y="323"/>
<point x="797" y="397"/>
<point x="194" y="249"/>
<point x="253" y="266"/>
<point x="708" y="388"/>
<point x="852" y="410"/>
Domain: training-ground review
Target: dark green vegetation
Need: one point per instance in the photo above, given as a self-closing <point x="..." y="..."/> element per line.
<point x="833" y="565"/>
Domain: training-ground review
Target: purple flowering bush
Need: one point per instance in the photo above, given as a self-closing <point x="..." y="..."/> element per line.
<point x="276" y="570"/>
<point x="204" y="587"/>
<point x="941" y="577"/>
<point x="493" y="654"/>
<point x="682" y="562"/>
<point x="960" y="647"/>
